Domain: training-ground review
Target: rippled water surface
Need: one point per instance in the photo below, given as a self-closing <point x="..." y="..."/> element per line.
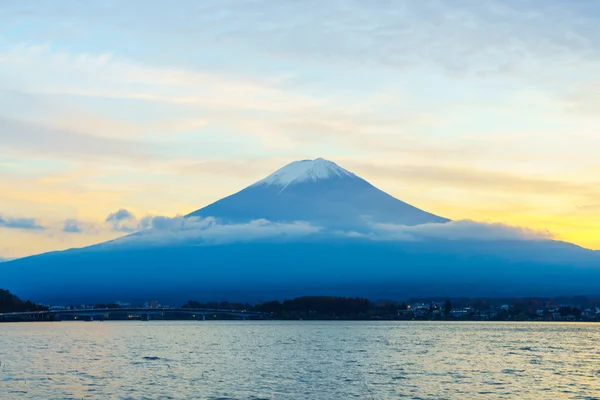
<point x="298" y="360"/>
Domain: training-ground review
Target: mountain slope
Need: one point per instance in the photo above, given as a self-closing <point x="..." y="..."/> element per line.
<point x="277" y="269"/>
<point x="235" y="259"/>
<point x="320" y="192"/>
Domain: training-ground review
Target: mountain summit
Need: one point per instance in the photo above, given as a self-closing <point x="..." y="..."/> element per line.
<point x="305" y="171"/>
<point x="316" y="191"/>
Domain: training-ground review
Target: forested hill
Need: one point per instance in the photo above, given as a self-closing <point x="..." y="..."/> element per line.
<point x="11" y="303"/>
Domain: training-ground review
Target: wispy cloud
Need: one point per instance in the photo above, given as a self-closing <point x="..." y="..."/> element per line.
<point x="25" y="137"/>
<point x="400" y="92"/>
<point x="473" y="178"/>
<point x="456" y="36"/>
<point x="72" y="226"/>
<point x="20" y="223"/>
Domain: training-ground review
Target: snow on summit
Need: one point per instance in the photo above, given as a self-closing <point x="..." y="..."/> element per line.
<point x="318" y="192"/>
<point x="305" y="171"/>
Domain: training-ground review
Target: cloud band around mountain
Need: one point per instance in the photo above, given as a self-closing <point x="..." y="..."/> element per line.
<point x="161" y="230"/>
<point x="457" y="230"/>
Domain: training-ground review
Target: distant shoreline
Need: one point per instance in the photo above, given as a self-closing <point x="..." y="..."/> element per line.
<point x="458" y="322"/>
<point x="324" y="308"/>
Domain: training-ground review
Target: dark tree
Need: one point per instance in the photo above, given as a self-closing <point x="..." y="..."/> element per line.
<point x="11" y="303"/>
<point x="269" y="307"/>
<point x="566" y="311"/>
<point x="447" y="308"/>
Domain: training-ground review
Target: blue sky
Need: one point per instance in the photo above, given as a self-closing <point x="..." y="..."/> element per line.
<point x="470" y="109"/>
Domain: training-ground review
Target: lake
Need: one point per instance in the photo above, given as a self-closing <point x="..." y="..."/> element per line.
<point x="298" y="360"/>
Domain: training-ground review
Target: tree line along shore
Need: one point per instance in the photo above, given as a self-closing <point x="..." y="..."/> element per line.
<point x="579" y="308"/>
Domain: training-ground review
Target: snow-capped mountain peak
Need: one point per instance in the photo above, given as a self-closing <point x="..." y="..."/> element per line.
<point x="318" y="192"/>
<point x="305" y="171"/>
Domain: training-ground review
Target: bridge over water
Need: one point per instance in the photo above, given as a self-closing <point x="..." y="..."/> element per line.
<point x="144" y="314"/>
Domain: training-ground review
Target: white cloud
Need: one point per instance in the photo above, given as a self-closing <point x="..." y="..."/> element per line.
<point x="451" y="35"/>
<point x="163" y="223"/>
<point x="122" y="221"/>
<point x="159" y="230"/>
<point x="121" y="215"/>
<point x="456" y="230"/>
<point x="181" y="230"/>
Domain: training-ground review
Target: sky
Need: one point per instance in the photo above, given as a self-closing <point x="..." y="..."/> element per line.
<point x="113" y="111"/>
